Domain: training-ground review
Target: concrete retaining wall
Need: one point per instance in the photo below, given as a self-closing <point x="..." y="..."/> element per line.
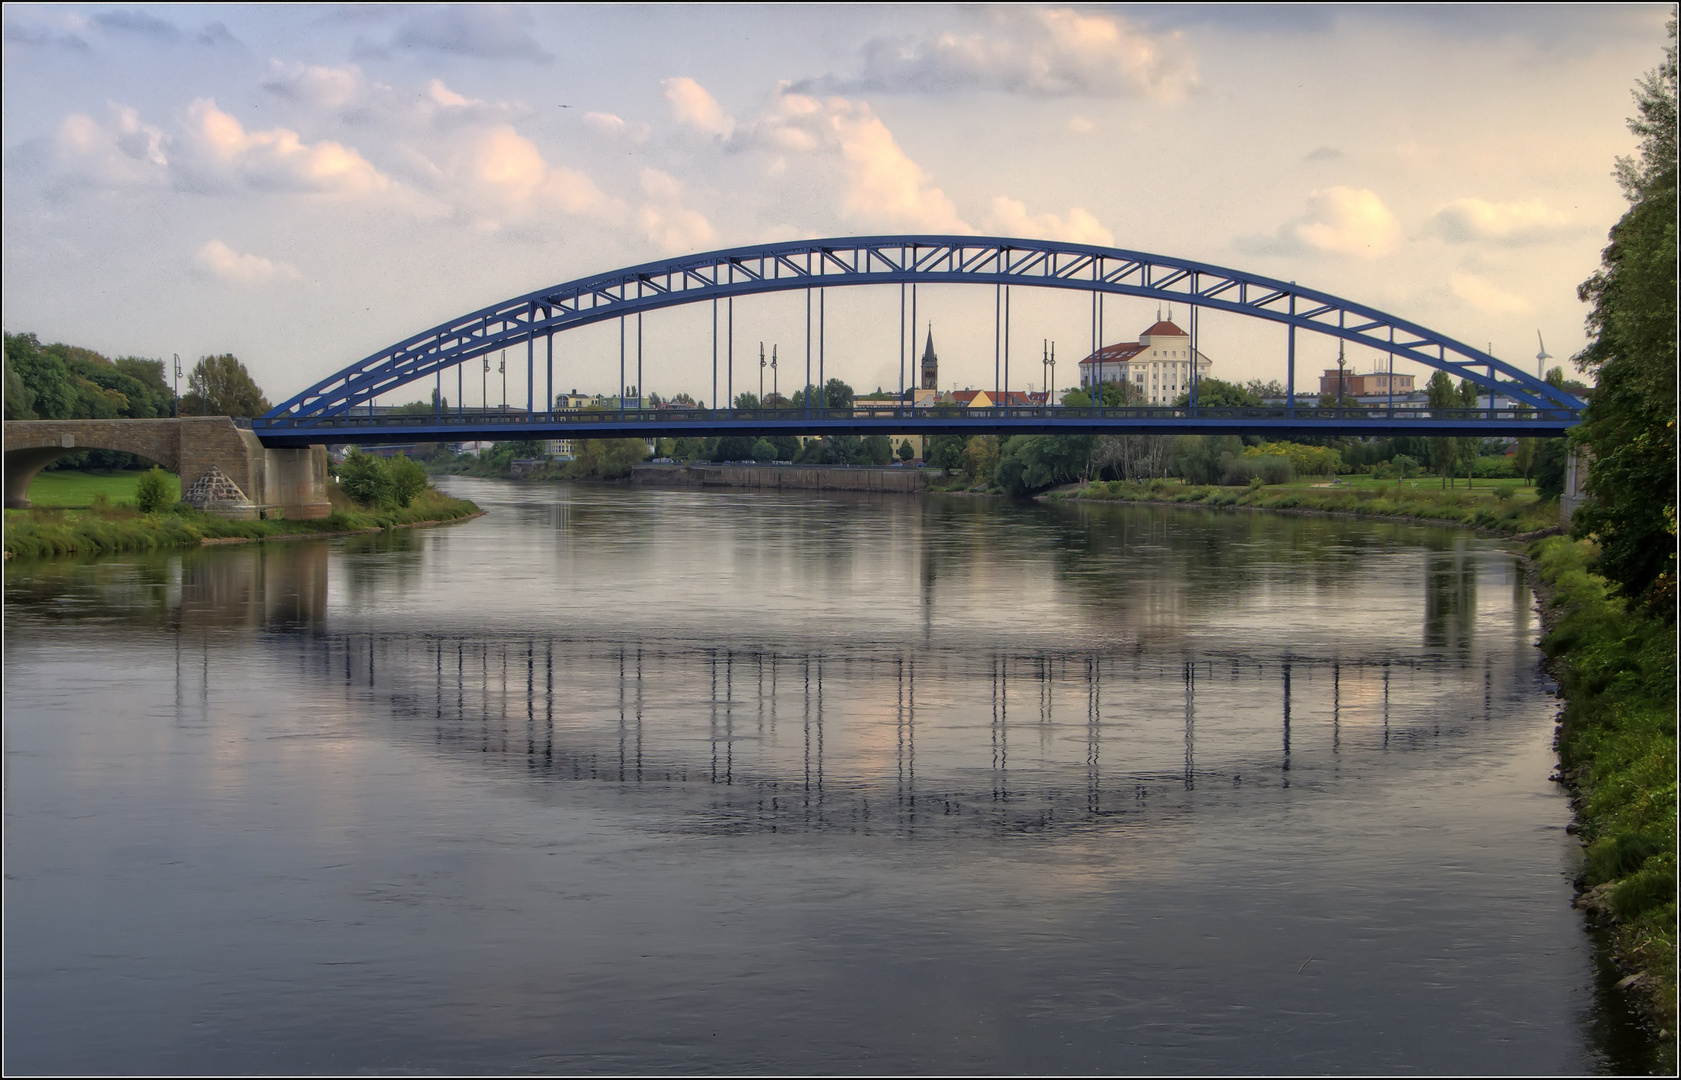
<point x="768" y="477"/>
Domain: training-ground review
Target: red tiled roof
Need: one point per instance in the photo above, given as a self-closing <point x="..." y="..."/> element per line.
<point x="1114" y="354"/>
<point x="1164" y="328"/>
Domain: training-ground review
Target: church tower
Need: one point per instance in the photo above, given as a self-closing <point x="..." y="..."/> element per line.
<point x="930" y="364"/>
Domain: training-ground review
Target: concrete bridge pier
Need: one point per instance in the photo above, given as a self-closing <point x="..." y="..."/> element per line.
<point x="224" y="469"/>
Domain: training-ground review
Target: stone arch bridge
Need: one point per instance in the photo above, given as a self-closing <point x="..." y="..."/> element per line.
<point x="223" y="467"/>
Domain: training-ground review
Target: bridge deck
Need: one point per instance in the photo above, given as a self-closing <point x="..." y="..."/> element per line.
<point x="1045" y="420"/>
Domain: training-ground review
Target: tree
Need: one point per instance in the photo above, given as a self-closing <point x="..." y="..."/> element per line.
<point x="20" y="400"/>
<point x="1028" y="463"/>
<point x="905" y="451"/>
<point x="875" y="450"/>
<point x="764" y="451"/>
<point x="606" y="459"/>
<point x="365" y="479"/>
<point x="946" y="451"/>
<point x="836" y="395"/>
<point x="734" y="448"/>
<point x="1466" y="447"/>
<point x="1523" y="457"/>
<point x="220" y="386"/>
<point x="1113" y="395"/>
<point x="1219" y="394"/>
<point x="1444" y="450"/>
<point x="980" y="457"/>
<point x="1629" y="424"/>
<point x="408" y="479"/>
<point x="746" y="400"/>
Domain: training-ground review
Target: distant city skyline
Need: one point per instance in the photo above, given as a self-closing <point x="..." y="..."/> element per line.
<point x="302" y="186"/>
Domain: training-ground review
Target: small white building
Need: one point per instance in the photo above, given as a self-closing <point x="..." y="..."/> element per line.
<point x="1157" y="365"/>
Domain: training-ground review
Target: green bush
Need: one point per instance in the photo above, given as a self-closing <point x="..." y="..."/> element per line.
<point x="367" y="480"/>
<point x="408" y="479"/>
<point x="154" y="492"/>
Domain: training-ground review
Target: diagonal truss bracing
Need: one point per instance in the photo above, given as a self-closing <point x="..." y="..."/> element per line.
<point x="884" y="260"/>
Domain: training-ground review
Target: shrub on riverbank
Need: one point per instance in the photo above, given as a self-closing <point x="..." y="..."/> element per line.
<point x="44" y="533"/>
<point x="1494" y="509"/>
<point x="1616" y="668"/>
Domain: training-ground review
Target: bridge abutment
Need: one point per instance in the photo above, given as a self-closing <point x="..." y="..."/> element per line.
<point x="224" y="468"/>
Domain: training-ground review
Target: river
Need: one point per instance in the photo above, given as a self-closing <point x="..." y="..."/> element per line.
<point x="617" y="780"/>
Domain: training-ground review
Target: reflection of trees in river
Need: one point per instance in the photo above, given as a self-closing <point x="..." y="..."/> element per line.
<point x="244" y="586"/>
<point x="878" y="740"/>
<point x="1450" y="599"/>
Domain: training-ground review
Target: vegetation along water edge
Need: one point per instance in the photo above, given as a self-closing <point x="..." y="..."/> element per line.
<point x="364" y="497"/>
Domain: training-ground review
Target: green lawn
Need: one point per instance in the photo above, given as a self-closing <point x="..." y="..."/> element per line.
<point x="1420" y="484"/>
<point x="72" y="489"/>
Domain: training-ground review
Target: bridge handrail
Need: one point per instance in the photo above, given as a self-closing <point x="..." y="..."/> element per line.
<point x="914" y="415"/>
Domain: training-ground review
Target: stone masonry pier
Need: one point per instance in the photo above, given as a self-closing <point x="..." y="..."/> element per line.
<point x="223" y="467"/>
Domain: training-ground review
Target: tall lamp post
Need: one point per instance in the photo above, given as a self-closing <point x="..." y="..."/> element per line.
<point x="177" y="408"/>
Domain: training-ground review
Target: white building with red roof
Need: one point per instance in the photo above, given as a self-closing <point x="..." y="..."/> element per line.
<point x="1157" y="366"/>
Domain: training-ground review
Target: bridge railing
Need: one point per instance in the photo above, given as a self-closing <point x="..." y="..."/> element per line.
<point x="584" y="420"/>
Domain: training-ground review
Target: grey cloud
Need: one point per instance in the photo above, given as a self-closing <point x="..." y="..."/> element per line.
<point x="137" y="22"/>
<point x="1323" y="153"/>
<point x="29" y="34"/>
<point x="1031" y="51"/>
<point x="488" y="31"/>
<point x="215" y="34"/>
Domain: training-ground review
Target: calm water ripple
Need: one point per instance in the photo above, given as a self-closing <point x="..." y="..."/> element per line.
<point x="622" y="781"/>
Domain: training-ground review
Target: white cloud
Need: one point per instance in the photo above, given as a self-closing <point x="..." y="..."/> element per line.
<point x="1467" y="220"/>
<point x="1486" y="297"/>
<point x="443" y="96"/>
<point x="665" y="220"/>
<point x="117" y="153"/>
<point x="692" y="105"/>
<point x="1042" y="52"/>
<point x="1338" y="221"/>
<point x="221" y="154"/>
<point x="316" y="85"/>
<point x="1010" y="218"/>
<point x="222" y="261"/>
<point x="881" y="186"/>
<point x="616" y="126"/>
<point x="1079" y="125"/>
<point x="510" y="176"/>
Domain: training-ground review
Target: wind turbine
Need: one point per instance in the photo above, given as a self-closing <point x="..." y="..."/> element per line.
<point x="1541" y="357"/>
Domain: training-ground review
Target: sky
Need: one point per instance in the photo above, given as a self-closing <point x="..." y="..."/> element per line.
<point x="304" y="185"/>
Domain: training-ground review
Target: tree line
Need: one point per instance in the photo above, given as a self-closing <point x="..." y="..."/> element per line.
<point x="68" y="382"/>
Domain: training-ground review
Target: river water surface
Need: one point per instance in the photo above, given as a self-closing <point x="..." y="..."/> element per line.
<point x="618" y="780"/>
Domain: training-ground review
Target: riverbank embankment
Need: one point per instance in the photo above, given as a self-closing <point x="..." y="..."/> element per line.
<point x="776" y="477"/>
<point x="103" y="530"/>
<point x="1616" y="746"/>
<point x="1487" y="510"/>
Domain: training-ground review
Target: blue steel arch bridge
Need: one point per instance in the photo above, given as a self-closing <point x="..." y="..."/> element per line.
<point x="341" y="409"/>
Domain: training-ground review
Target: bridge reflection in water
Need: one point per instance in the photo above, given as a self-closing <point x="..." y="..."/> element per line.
<point x="759" y="740"/>
<point x="873" y="738"/>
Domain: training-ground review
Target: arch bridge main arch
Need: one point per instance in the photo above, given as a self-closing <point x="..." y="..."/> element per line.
<point x="886" y="260"/>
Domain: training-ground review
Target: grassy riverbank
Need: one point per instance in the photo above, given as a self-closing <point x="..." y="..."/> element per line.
<point x="1616" y="748"/>
<point x="45" y="532"/>
<point x="1507" y="510"/>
